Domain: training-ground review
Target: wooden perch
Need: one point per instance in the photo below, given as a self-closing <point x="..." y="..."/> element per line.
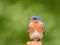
<point x="34" y="43"/>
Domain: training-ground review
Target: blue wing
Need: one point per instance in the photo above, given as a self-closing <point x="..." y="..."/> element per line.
<point x="44" y="27"/>
<point x="28" y="27"/>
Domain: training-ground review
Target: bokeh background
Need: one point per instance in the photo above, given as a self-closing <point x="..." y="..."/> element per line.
<point x="14" y="20"/>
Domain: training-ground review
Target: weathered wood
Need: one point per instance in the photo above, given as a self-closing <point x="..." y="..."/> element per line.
<point x="34" y="43"/>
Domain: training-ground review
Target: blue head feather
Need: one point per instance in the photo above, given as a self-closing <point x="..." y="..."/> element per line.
<point x="36" y="17"/>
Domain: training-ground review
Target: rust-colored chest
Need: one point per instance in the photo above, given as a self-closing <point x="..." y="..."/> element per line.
<point x="36" y="27"/>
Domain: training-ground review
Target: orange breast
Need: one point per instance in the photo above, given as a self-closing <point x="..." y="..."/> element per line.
<point x="36" y="26"/>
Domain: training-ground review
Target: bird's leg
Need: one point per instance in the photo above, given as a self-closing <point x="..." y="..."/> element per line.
<point x="38" y="40"/>
<point x="35" y="39"/>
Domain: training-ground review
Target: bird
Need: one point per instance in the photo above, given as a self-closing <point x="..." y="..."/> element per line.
<point x="36" y="28"/>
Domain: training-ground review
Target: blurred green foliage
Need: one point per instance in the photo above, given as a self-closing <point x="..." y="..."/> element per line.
<point x="14" y="20"/>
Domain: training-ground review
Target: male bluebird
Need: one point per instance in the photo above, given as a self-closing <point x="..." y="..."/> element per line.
<point x="36" y="28"/>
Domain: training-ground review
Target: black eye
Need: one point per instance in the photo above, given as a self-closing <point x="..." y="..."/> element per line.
<point x="34" y="18"/>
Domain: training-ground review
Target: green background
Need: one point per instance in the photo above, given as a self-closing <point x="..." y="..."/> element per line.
<point x="14" y="20"/>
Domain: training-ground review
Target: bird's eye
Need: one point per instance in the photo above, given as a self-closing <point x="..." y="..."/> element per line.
<point x="34" y="18"/>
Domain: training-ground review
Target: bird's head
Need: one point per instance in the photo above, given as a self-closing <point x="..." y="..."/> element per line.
<point x="35" y="19"/>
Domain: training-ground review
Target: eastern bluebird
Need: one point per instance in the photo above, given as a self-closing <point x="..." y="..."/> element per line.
<point x="36" y="28"/>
